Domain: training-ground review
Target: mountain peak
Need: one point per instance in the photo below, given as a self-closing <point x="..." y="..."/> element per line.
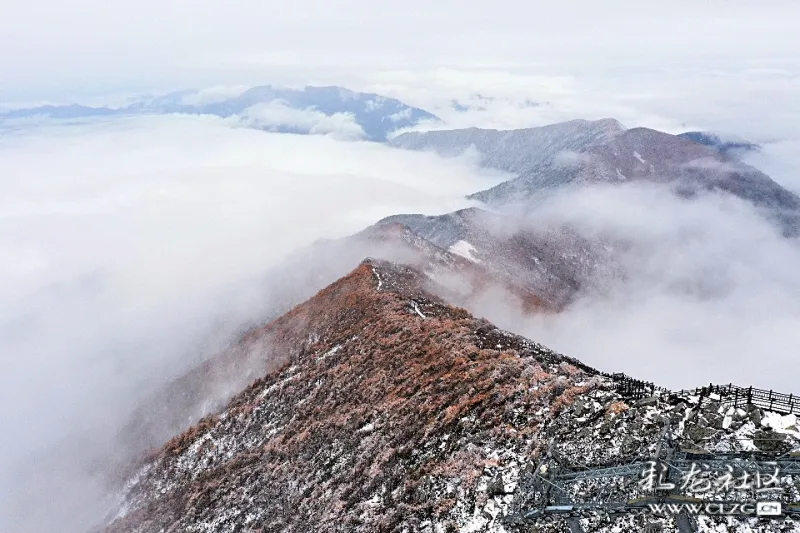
<point x="610" y="124"/>
<point x="392" y="386"/>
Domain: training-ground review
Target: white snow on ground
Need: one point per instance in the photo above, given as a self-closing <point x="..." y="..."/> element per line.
<point x="638" y="156"/>
<point x="465" y="250"/>
<point x="781" y="423"/>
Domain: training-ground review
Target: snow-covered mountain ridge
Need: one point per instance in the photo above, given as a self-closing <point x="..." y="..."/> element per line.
<point x="395" y="411"/>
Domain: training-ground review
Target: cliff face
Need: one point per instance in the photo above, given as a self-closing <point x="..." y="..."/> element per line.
<point x="389" y="410"/>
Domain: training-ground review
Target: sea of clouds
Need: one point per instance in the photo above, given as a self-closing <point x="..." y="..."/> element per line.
<point x="132" y="249"/>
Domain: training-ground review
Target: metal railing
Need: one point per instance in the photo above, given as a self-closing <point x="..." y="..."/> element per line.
<point x="730" y="394"/>
<point x="746" y="396"/>
<point x="633" y="388"/>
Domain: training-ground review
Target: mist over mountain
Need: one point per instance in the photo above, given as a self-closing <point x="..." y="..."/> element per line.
<point x="310" y="110"/>
<point x="585" y="152"/>
<point x="520" y="152"/>
<point x="138" y="248"/>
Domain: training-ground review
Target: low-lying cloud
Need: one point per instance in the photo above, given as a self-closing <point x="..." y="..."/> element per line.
<point x="130" y="250"/>
<point x="278" y="116"/>
<point x="703" y="290"/>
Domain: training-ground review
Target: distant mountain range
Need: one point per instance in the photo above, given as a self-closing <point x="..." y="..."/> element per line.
<point x="308" y="110"/>
<point x="604" y="151"/>
<point x="373" y="117"/>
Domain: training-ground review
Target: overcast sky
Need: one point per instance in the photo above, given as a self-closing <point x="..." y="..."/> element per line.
<point x="51" y="47"/>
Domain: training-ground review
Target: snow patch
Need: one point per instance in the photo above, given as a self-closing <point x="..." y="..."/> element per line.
<point x="781" y="423"/>
<point x="465" y="250"/>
